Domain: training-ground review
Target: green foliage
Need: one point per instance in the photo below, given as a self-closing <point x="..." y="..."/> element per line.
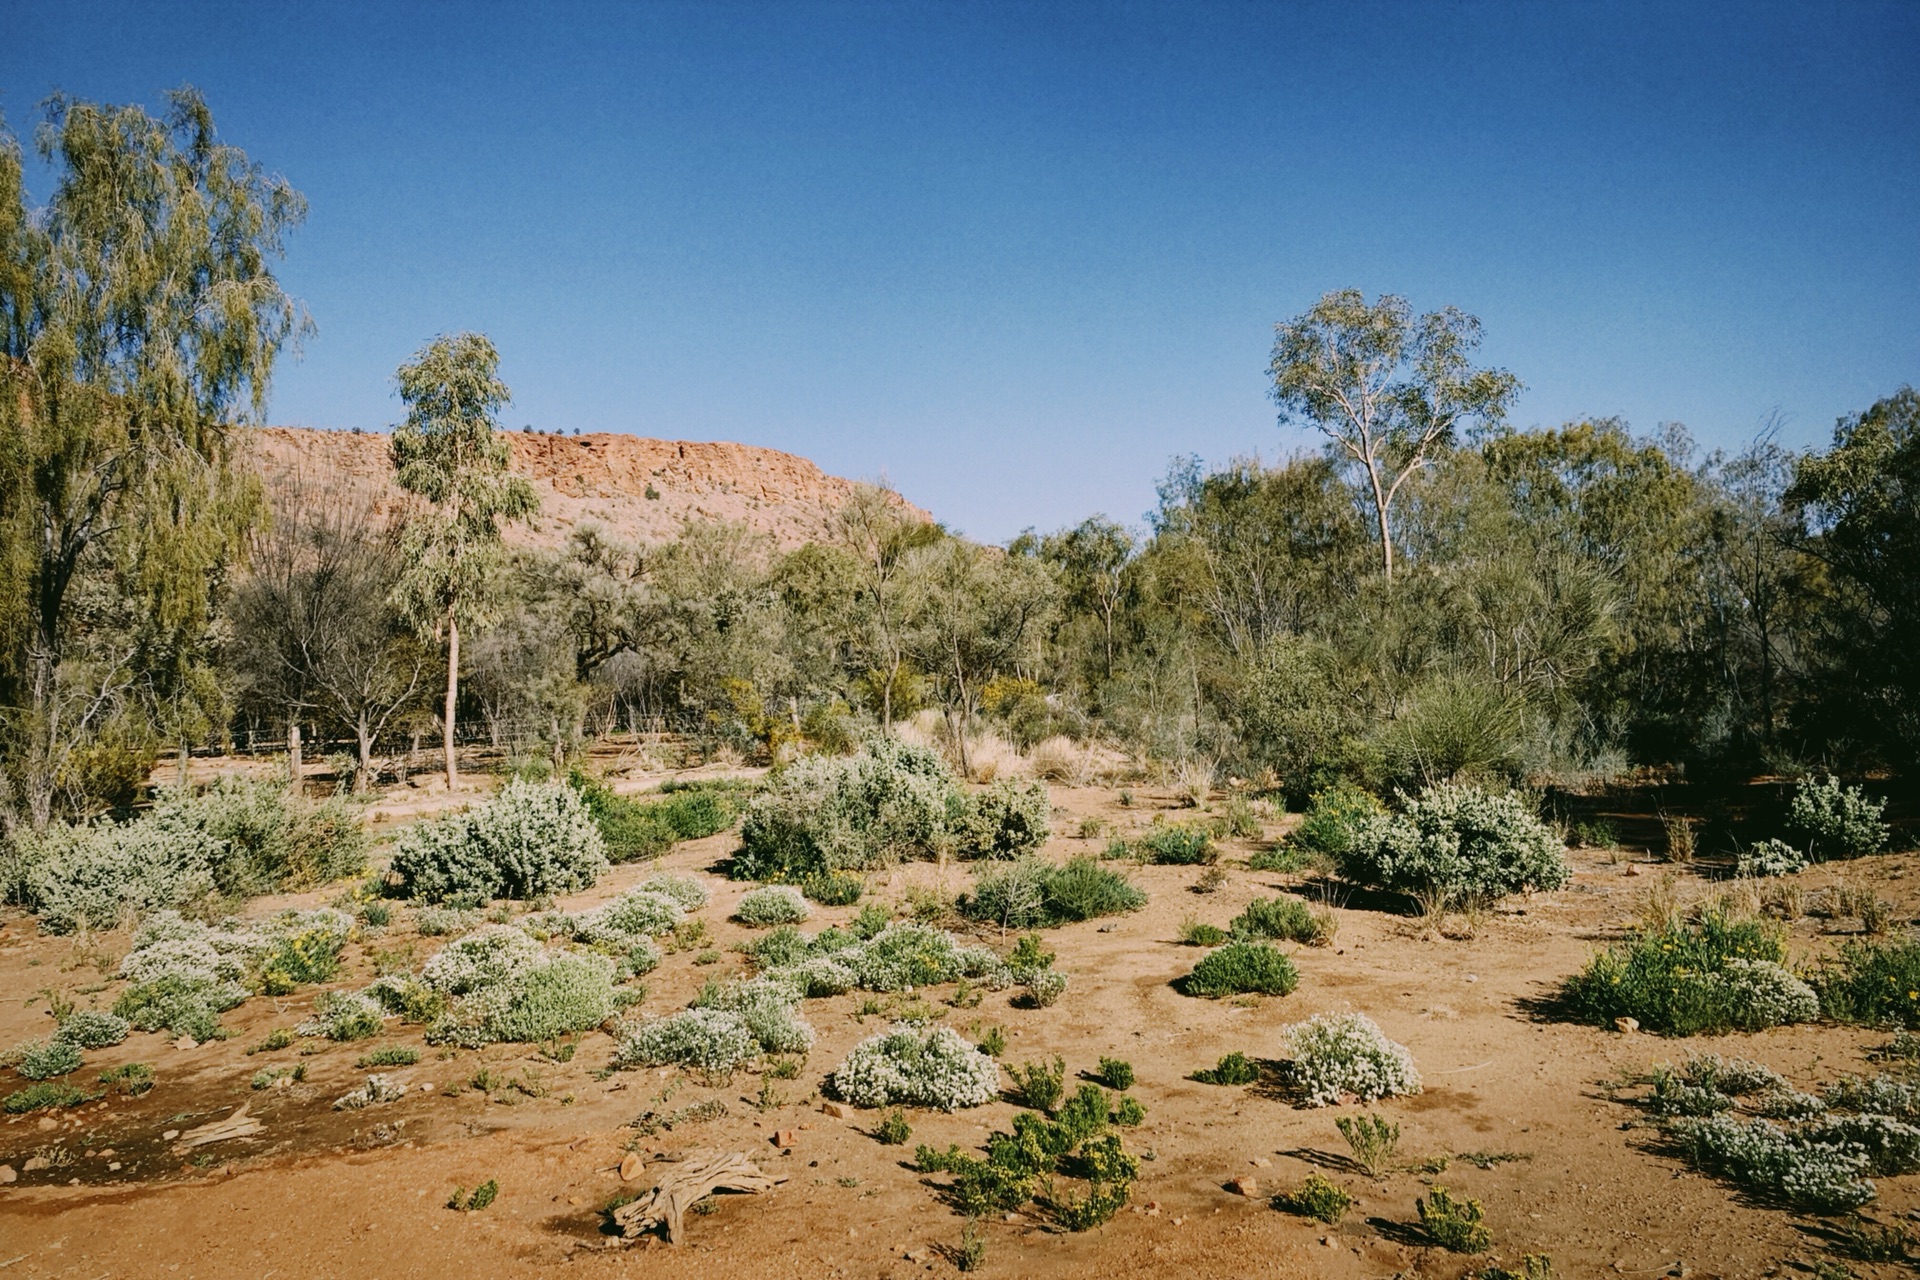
<point x="1336" y="1055"/>
<point x="1715" y="976"/>
<point x="1455" y="1225"/>
<point x="344" y="1015"/>
<point x="1007" y="820"/>
<point x="388" y="1055"/>
<point x="472" y="1202"/>
<point x="1836" y="821"/>
<point x="1128" y="1112"/>
<point x="1235" y="1068"/>
<point x="1039" y="1085"/>
<point x="1288" y="919"/>
<point x="44" y="1059"/>
<point x="771" y="905"/>
<point x="1241" y="967"/>
<point x="130" y="1078"/>
<point x="1195" y="933"/>
<point x="634" y="830"/>
<point x="1034" y="893"/>
<point x="858" y="812"/>
<point x="530" y="840"/>
<point x="45" y="1095"/>
<point x="1116" y="1074"/>
<point x="1372" y="1138"/>
<point x="893" y="1130"/>
<point x="1876" y="983"/>
<point x="1338" y="821"/>
<point x="1019" y="1162"/>
<point x="1457" y="845"/>
<point x="1179" y="845"/>
<point x="715" y="1041"/>
<point x="1317" y="1197"/>
<point x="835" y="889"/>
<point x="92" y="1028"/>
<point x="1769" y="858"/>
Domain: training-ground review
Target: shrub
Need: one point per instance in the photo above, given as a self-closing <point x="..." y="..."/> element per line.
<point x="1242" y="967"/>
<point x="644" y="913"/>
<point x="388" y="1055"/>
<point x="893" y="1130"/>
<point x="1335" y="1055"/>
<point x="44" y="1059"/>
<point x="44" y="1095"/>
<point x="1233" y="1068"/>
<point x="1769" y="858"/>
<point x="92" y="1029"/>
<point x="1043" y="988"/>
<point x="376" y="1090"/>
<point x="485" y="958"/>
<point x="344" y="1015"/>
<point x="1836" y="821"/>
<point x="557" y="993"/>
<point x="1038" y="1084"/>
<point x="1316" y="1198"/>
<point x="1372" y="1138"/>
<point x="917" y="1066"/>
<point x="1286" y="918"/>
<point x="1877" y="983"/>
<point x="1036" y="1150"/>
<point x="770" y="905"/>
<point x="1116" y="1074"/>
<point x="689" y="893"/>
<point x="305" y="949"/>
<point x="1195" y="933"/>
<point x="1715" y="976"/>
<point x="130" y="1078"/>
<point x="443" y="922"/>
<point x="1178" y="845"/>
<point x="530" y="840"/>
<point x="711" y="1040"/>
<point x="1007" y="820"/>
<point x="1129" y="1112"/>
<point x="1033" y="893"/>
<point x="1456" y="1225"/>
<point x="1761" y="1156"/>
<point x="1457" y="845"/>
<point x="1337" y="820"/>
<point x="859" y="812"/>
<point x="835" y="889"/>
<point x="233" y="839"/>
<point x="770" y="1008"/>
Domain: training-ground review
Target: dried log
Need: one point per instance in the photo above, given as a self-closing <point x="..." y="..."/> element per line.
<point x="237" y="1125"/>
<point x="687" y="1183"/>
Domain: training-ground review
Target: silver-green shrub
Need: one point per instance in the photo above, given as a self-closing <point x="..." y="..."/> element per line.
<point x="917" y="1067"/>
<point x="1339" y="1054"/>
<point x="344" y="1015"/>
<point x="644" y="913"/>
<point x="45" y="1059"/>
<point x="685" y="890"/>
<point x="770" y="1007"/>
<point x="484" y="958"/>
<point x="92" y="1029"/>
<point x="889" y="801"/>
<point x="530" y="839"/>
<point x="1007" y="820"/>
<point x="770" y="905"/>
<point x="1458" y="845"/>
<point x="1769" y="858"/>
<point x="1836" y="821"/>
<point x="711" y="1040"/>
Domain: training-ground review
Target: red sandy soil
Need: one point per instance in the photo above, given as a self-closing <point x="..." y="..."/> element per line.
<point x="324" y="1193"/>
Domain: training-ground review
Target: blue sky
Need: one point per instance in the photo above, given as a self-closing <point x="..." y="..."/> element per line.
<point x="1016" y="256"/>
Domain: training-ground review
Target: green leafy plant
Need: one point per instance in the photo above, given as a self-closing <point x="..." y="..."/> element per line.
<point x="1875" y="983"/>
<point x="1178" y="845"/>
<point x="45" y="1059"/>
<point x="529" y="840"/>
<point x="771" y="905"/>
<point x="1372" y="1138"/>
<point x="1032" y="893"/>
<point x="1316" y="1197"/>
<point x="893" y="1130"/>
<point x="1458" y="846"/>
<point x="130" y="1078"/>
<point x="480" y="1197"/>
<point x="1242" y="967"/>
<point x="1234" y="1068"/>
<point x="1288" y="919"/>
<point x="45" y="1095"/>
<point x="1116" y="1074"/>
<point x="835" y="889"/>
<point x="1195" y="933"/>
<point x="1039" y="1085"/>
<point x="1836" y="821"/>
<point x="388" y="1055"/>
<point x="917" y="1066"/>
<point x="1720" y="974"/>
<point x="1127" y="1112"/>
<point x="1456" y="1225"/>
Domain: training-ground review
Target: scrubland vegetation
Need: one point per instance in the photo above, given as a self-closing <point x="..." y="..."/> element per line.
<point x="1392" y="683"/>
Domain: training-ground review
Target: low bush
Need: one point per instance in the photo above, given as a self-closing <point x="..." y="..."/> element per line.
<point x="835" y="889"/>
<point x="530" y="840"/>
<point x="344" y="1015"/>
<point x="688" y="892"/>
<point x="1373" y="1139"/>
<point x="1043" y="988"/>
<point x="1875" y="983"/>
<point x="1707" y="978"/>
<point x="1457" y="846"/>
<point x="1455" y="1225"/>
<point x="234" y="839"/>
<point x="1317" y="1198"/>
<point x="487" y="957"/>
<point x="1128" y="1112"/>
<point x="1232" y="1069"/>
<point x="1039" y="1085"/>
<point x="636" y="830"/>
<point x="770" y="905"/>
<point x="92" y="1028"/>
<point x="889" y="801"/>
<point x="770" y="1006"/>
<point x="1034" y="893"/>
<point x="917" y="1066"/>
<point x="388" y="1055"/>
<point x="558" y="993"/>
<point x="1031" y="1157"/>
<point x="630" y="918"/>
<point x="1178" y="845"/>
<point x="1835" y="821"/>
<point x="1242" y="967"/>
<point x="1007" y="820"/>
<point x="893" y="1130"/>
<point x="45" y="1095"/>
<point x="1769" y="858"/>
<point x="715" y="1041"/>
<point x="130" y="1078"/>
<point x="1196" y="933"/>
<point x="1335" y="1056"/>
<point x="1288" y="919"/>
<point x="1116" y="1074"/>
<point x="45" y="1059"/>
<point x="1337" y="820"/>
<point x="376" y="1090"/>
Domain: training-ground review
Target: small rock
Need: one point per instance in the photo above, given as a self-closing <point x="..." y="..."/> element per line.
<point x="169" y="1135"/>
<point x="838" y="1110"/>
<point x="35" y="1164"/>
<point x="1631" y="870"/>
<point x="47" y="1123"/>
<point x="784" y="1137"/>
<point x="1327" y="1241"/>
<point x="631" y="1166"/>
<point x="426" y="1086"/>
<point x="575" y="1201"/>
<point x="186" y="1042"/>
<point x="114" y="1167"/>
<point x="1261" y="1162"/>
<point x="8" y="1174"/>
<point x="108" y="1154"/>
<point x="1248" y="1187"/>
<point x="1626" y="1026"/>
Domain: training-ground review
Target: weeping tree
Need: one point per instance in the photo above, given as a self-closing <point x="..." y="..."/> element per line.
<point x="139" y="317"/>
<point x="449" y="452"/>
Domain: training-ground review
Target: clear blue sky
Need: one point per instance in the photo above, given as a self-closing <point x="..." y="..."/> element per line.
<point x="1015" y="256"/>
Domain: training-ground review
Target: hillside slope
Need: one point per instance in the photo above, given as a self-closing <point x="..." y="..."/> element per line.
<point x="603" y="477"/>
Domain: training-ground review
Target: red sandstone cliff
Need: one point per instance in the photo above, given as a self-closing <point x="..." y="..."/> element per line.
<point x="603" y="477"/>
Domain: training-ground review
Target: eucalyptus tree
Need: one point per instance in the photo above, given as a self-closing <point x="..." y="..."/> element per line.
<point x="1389" y="391"/>
<point x="449" y="452"/>
<point x="139" y="317"/>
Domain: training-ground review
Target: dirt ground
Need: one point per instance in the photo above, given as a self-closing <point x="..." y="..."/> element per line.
<point x="1513" y="1100"/>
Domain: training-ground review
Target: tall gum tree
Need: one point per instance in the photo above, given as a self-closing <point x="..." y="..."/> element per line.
<point x="1389" y="391"/>
<point x="449" y="452"/>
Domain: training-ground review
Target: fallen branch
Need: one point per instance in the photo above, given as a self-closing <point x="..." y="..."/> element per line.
<point x="685" y="1185"/>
